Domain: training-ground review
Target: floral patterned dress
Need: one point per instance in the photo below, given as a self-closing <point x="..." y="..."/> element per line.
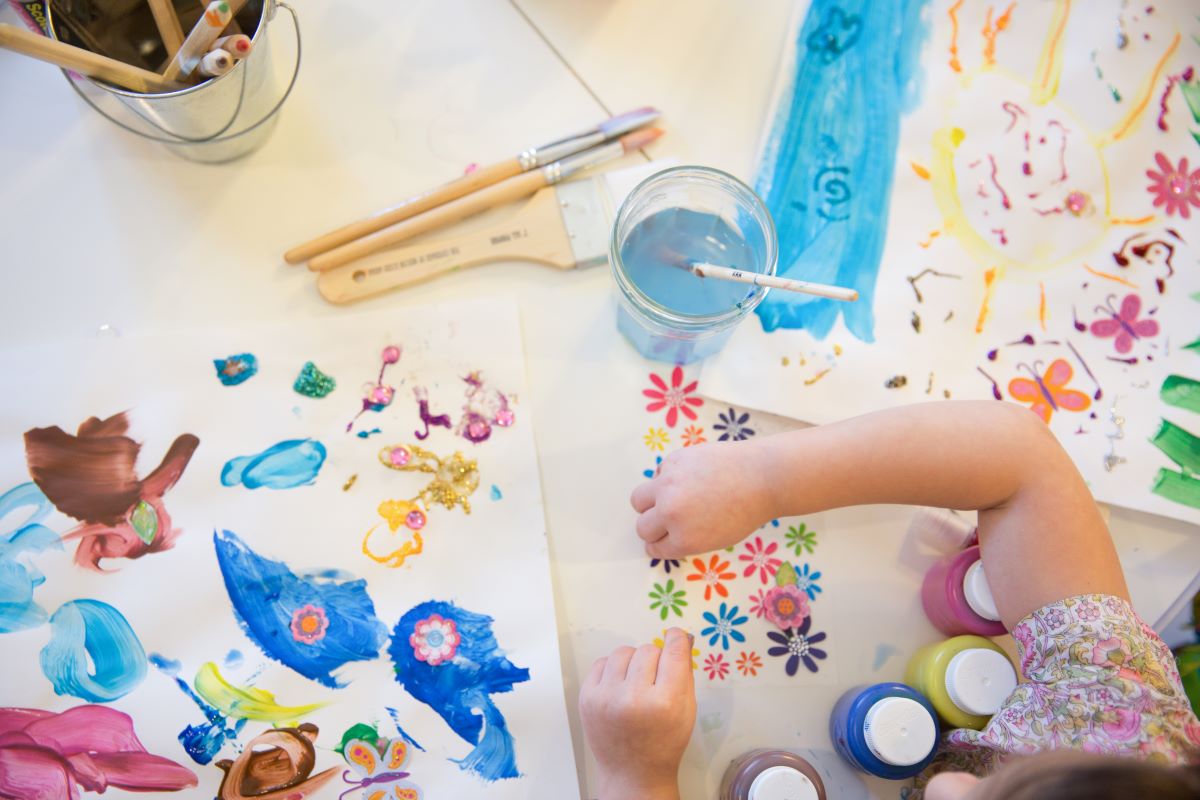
<point x="1097" y="679"/>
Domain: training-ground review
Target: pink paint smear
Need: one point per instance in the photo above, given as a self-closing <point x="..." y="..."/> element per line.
<point x="49" y="756"/>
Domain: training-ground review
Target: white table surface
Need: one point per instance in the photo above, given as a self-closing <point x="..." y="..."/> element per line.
<point x="102" y="229"/>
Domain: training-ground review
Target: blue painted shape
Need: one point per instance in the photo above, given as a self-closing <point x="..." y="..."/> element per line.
<point x="496" y="494"/>
<point x="267" y="598"/>
<point x="234" y="659"/>
<point x="395" y="715"/>
<point x="83" y="630"/>
<point x="286" y="465"/>
<point x="236" y="369"/>
<point x="18" y="611"/>
<point x="826" y="174"/>
<point x="167" y="666"/>
<point x="460" y="688"/>
<point x="202" y="742"/>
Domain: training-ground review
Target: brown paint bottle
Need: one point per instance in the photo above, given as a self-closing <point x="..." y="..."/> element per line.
<point x="771" y="775"/>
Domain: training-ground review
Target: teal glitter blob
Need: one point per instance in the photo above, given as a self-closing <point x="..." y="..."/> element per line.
<point x="236" y="369"/>
<point x="311" y="382"/>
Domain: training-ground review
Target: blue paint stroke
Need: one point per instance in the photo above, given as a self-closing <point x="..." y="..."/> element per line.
<point x="826" y="172"/>
<point x="18" y="611"/>
<point x="458" y="688"/>
<point x="367" y="434"/>
<point x="269" y="600"/>
<point x="395" y="715"/>
<point x="165" y="665"/>
<point x="882" y="653"/>
<point x="236" y="369"/>
<point x="89" y="630"/>
<point x="286" y="465"/>
<point x="496" y="493"/>
<point x="202" y="742"/>
<point x="233" y="659"/>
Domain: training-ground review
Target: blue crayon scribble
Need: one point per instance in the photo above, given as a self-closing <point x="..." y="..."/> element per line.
<point x="313" y="625"/>
<point x="165" y="665"/>
<point x="456" y="678"/>
<point x="202" y="742"/>
<point x="18" y="611"/>
<point x="826" y="171"/>
<point x="92" y="654"/>
<point x="236" y="369"/>
<point x="286" y="465"/>
<point x="395" y="715"/>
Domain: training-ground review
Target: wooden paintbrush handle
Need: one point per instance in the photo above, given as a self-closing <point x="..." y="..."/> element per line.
<point x="83" y="61"/>
<point x="471" y="182"/>
<point x="535" y="233"/>
<point x="495" y="195"/>
<point x="168" y="25"/>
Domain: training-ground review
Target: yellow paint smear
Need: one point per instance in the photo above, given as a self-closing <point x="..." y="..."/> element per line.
<point x="990" y="31"/>
<point x="246" y="703"/>
<point x="1143" y="98"/>
<point x="1050" y="63"/>
<point x="922" y="173"/>
<point x="932" y="235"/>
<point x="818" y="376"/>
<point x="1110" y="277"/>
<point x="989" y="284"/>
<point x="1135" y="221"/>
<point x="1042" y="306"/>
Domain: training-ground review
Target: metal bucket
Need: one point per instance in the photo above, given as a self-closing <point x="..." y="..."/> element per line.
<point x="218" y="120"/>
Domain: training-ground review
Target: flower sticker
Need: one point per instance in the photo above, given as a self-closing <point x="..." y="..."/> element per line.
<point x="723" y="626"/>
<point x="716" y="666"/>
<point x="1174" y="188"/>
<point x="734" y="427"/>
<point x="758" y="603"/>
<point x="786" y="606"/>
<point x="309" y="624"/>
<point x="434" y="640"/>
<point x="801" y="539"/>
<point x="797" y="645"/>
<point x="657" y="439"/>
<point x="806" y="582"/>
<point x="660" y="643"/>
<point x="749" y="663"/>
<point x="675" y="398"/>
<point x="667" y="599"/>
<point x="668" y="564"/>
<point x="693" y="436"/>
<point x="712" y="575"/>
<point x="759" y="559"/>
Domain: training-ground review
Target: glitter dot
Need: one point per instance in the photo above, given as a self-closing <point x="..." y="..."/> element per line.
<point x="399" y="456"/>
<point x="505" y="418"/>
<point x="415" y="520"/>
<point x="391" y="354"/>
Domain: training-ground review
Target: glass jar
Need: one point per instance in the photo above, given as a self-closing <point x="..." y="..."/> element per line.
<point x="681" y="215"/>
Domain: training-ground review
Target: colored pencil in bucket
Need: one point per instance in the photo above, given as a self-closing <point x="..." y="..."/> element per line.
<point x="215" y="63"/>
<point x="168" y="25"/>
<point x="238" y="45"/>
<point x="207" y="30"/>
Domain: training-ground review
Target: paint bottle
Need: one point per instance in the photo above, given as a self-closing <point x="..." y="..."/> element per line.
<point x="673" y="219"/>
<point x="888" y="729"/>
<point x="967" y="678"/>
<point x="957" y="598"/>
<point x="771" y="775"/>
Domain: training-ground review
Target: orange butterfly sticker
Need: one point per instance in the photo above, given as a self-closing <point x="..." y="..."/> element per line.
<point x="1048" y="392"/>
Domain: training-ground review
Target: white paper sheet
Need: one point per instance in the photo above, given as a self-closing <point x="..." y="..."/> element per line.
<point x="493" y="561"/>
<point x="1037" y="247"/>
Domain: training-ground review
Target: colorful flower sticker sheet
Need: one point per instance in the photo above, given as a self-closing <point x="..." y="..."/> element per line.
<point x="243" y="617"/>
<point x="1042" y="237"/>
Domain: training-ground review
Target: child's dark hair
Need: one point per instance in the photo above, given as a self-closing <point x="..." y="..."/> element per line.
<point x="1082" y="776"/>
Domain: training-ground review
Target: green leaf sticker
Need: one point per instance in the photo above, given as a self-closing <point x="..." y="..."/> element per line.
<point x="786" y="576"/>
<point x="144" y="520"/>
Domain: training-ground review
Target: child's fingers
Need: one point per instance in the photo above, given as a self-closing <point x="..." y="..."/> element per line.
<point x="675" y="664"/>
<point x="617" y="665"/>
<point x="650" y="525"/>
<point x="643" y="496"/>
<point x="643" y="667"/>
<point x="595" y="673"/>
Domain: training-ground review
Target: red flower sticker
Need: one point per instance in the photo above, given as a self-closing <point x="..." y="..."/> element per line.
<point x="675" y="398"/>
<point x="1175" y="187"/>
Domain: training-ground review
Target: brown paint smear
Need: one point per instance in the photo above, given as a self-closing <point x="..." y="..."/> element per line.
<point x="279" y="769"/>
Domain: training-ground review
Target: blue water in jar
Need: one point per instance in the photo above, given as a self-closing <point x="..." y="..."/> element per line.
<point x="651" y="255"/>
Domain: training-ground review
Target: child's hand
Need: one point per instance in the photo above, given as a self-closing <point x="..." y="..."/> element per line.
<point x="638" y="708"/>
<point x="704" y="498"/>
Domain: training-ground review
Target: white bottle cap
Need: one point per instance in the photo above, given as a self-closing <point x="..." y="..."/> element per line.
<point x="979" y="680"/>
<point x="900" y="731"/>
<point x="782" y="783"/>
<point x="979" y="594"/>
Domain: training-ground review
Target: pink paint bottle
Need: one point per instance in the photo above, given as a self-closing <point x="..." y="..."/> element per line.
<point x="957" y="598"/>
<point x="771" y="775"/>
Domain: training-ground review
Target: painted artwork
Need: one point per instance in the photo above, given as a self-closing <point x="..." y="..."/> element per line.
<point x="1024" y="227"/>
<point x="216" y="588"/>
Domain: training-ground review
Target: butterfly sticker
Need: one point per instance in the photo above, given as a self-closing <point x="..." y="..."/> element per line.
<point x="1124" y="324"/>
<point x="1048" y="392"/>
<point x="379" y="775"/>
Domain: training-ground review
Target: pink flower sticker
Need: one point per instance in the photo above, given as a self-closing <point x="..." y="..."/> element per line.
<point x="1175" y="188"/>
<point x="434" y="640"/>
<point x="760" y="558"/>
<point x="787" y="606"/>
<point x="674" y="398"/>
<point x="309" y="624"/>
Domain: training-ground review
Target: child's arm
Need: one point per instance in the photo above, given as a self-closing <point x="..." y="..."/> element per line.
<point x="1039" y="529"/>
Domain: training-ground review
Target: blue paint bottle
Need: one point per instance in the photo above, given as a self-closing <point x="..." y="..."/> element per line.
<point x="888" y="729"/>
<point x="676" y="217"/>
